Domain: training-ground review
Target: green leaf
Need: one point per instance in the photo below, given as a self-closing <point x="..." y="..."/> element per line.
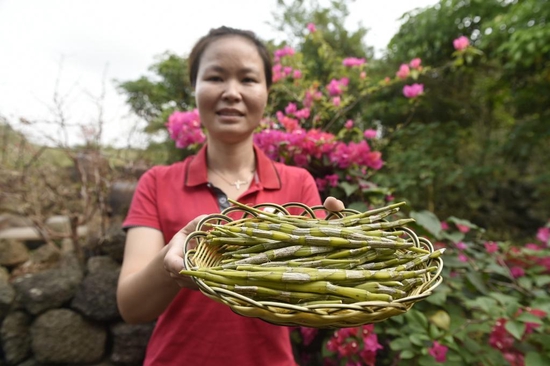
<point x="400" y="344"/>
<point x="471" y="345"/>
<point x="418" y="339"/>
<point x="348" y="188"/>
<point x="515" y="328"/>
<point x="416" y="319"/>
<point x="455" y="236"/>
<point x="358" y="206"/>
<point x="495" y="268"/>
<point x="427" y="220"/>
<point x="536" y="359"/>
<point x="502" y="298"/>
<point x="437" y="298"/>
<point x="525" y="282"/>
<point x="543" y="280"/>
<point x="512" y="309"/>
<point x="477" y="281"/>
<point x="483" y="302"/>
<point x="406" y="354"/>
<point x="528" y="318"/>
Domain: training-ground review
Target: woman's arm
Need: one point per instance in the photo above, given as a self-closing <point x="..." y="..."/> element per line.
<point x="149" y="278"/>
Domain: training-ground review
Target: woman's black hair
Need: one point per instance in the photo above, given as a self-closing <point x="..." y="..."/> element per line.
<point x="217" y="33"/>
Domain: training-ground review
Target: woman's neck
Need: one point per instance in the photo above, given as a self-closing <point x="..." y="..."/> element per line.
<point x="231" y="158"/>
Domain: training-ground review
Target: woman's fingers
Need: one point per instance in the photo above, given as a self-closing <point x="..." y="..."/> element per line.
<point x="333" y="204"/>
<point x="173" y="260"/>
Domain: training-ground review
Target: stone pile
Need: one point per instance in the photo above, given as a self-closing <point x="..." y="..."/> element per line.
<point x="56" y="311"/>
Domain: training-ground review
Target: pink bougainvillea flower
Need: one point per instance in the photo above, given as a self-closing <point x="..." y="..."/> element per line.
<point x="462" y="258"/>
<point x="285" y="51"/>
<point x="461" y="245"/>
<point x="491" y="247"/>
<point x="349" y="124"/>
<point x="185" y="128"/>
<point x="287" y="70"/>
<point x="336" y="101"/>
<point x="353" y="61"/>
<point x="311" y="27"/>
<point x="363" y="75"/>
<point x="439" y="352"/>
<point x="414" y="90"/>
<point x="544" y="234"/>
<point x="500" y="338"/>
<point x="444" y="226"/>
<point x="514" y="358"/>
<point x="321" y="184"/>
<point x="302" y="113"/>
<point x="332" y="180"/>
<point x="517" y="272"/>
<point x="403" y="72"/>
<point x="334" y="88"/>
<point x="291" y="108"/>
<point x="415" y="63"/>
<point x="308" y="334"/>
<point x="297" y="74"/>
<point x="463" y="228"/>
<point x="538" y="313"/>
<point x="370" y="134"/>
<point x="461" y="43"/>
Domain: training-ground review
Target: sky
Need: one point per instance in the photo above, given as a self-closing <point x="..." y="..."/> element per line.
<point x="76" y="49"/>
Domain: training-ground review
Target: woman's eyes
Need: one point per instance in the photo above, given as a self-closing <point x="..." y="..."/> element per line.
<point x="216" y="78"/>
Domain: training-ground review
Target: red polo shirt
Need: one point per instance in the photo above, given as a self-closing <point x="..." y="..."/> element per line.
<point x="195" y="330"/>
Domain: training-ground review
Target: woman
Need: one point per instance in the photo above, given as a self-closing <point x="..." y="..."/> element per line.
<point x="231" y="73"/>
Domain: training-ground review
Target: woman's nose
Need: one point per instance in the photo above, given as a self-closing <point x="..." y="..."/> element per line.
<point x="231" y="92"/>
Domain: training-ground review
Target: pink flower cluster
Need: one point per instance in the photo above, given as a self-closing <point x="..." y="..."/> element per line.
<point x="439" y="352"/>
<point x="280" y="71"/>
<point x="414" y="90"/>
<point x="300" y="147"/>
<point x="461" y="43"/>
<point x="353" y="61"/>
<point x="503" y="341"/>
<point x="185" y="128"/>
<point x="357" y="345"/>
<point x="518" y="259"/>
<point x="336" y="87"/>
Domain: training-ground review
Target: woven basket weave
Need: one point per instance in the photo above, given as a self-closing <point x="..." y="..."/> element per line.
<point x="198" y="254"/>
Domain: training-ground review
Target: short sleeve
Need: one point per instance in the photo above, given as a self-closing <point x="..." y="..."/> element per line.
<point x="143" y="209"/>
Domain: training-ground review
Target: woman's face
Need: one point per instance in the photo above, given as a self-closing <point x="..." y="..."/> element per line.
<point x="231" y="91"/>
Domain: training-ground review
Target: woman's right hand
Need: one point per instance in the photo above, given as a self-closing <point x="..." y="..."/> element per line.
<point x="173" y="260"/>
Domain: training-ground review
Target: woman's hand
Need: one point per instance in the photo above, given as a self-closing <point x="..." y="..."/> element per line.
<point x="173" y="260"/>
<point x="333" y="204"/>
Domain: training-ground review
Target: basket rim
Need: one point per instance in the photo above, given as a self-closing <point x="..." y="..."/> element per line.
<point x="328" y="314"/>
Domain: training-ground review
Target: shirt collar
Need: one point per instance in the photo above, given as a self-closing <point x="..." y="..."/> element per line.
<point x="197" y="170"/>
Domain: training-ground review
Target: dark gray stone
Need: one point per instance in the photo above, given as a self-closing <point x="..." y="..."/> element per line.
<point x="63" y="336"/>
<point x="96" y="296"/>
<point x="130" y="342"/>
<point x="16" y="341"/>
<point x="113" y="242"/>
<point x="47" y="290"/>
<point x="7" y="298"/>
<point x="102" y="263"/>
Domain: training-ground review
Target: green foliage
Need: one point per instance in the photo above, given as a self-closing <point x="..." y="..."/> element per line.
<point x="292" y="17"/>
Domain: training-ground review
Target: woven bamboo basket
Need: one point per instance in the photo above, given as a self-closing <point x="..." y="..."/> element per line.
<point x="198" y="254"/>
